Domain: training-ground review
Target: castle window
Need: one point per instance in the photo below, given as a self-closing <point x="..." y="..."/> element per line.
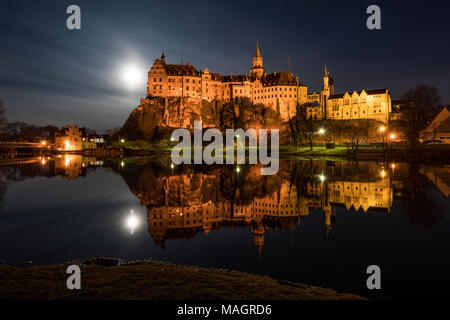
<point x="160" y="80"/>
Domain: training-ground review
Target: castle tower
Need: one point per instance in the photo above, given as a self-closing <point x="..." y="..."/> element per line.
<point x="257" y="68"/>
<point x="327" y="90"/>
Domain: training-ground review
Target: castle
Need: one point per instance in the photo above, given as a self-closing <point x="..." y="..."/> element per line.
<point x="280" y="91"/>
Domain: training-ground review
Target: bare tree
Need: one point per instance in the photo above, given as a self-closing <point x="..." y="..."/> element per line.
<point x="414" y="120"/>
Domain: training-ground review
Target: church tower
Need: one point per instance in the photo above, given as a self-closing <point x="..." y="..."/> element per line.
<point x="327" y="90"/>
<point x="257" y="68"/>
<point x="328" y="83"/>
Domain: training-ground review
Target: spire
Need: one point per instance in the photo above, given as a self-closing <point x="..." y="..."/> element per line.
<point x="326" y="72"/>
<point x="163" y="57"/>
<point x="257" y="53"/>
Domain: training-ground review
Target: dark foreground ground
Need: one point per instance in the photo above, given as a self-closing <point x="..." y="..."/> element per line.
<point x="152" y="280"/>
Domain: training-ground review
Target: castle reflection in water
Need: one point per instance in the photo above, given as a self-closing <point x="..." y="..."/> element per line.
<point x="182" y="205"/>
<point x="183" y="201"/>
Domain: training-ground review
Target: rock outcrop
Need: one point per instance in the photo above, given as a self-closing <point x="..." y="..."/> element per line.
<point x="154" y="115"/>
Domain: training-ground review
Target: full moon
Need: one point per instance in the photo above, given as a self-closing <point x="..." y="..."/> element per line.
<point x="132" y="76"/>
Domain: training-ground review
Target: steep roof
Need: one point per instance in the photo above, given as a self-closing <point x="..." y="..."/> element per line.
<point x="279" y="79"/>
<point x="257" y="53"/>
<point x="369" y="92"/>
<point x="439" y="122"/>
<point x="444" y="126"/>
<point x="234" y="78"/>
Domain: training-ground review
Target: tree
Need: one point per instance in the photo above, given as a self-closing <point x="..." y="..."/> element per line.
<point x="414" y="120"/>
<point x="302" y="124"/>
<point x="237" y="113"/>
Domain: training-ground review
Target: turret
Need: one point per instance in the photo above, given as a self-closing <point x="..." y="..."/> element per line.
<point x="257" y="65"/>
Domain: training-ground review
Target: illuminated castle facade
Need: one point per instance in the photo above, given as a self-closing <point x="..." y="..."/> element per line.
<point x="280" y="91"/>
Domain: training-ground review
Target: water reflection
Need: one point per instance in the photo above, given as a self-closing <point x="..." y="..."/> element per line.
<point x="183" y="201"/>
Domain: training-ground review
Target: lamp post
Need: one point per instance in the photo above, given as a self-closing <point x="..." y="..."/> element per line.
<point x="382" y="130"/>
<point x="321" y="132"/>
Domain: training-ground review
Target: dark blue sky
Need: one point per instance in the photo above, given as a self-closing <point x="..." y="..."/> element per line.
<point x="50" y="75"/>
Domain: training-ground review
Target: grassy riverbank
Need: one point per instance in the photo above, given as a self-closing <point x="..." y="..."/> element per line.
<point x="152" y="281"/>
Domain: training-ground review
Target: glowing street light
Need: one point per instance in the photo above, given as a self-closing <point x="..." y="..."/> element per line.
<point x="43" y="142"/>
<point x="238" y="169"/>
<point x="321" y="131"/>
<point x="67" y="144"/>
<point x="172" y="166"/>
<point x="382" y="128"/>
<point x="122" y="164"/>
<point x="122" y="140"/>
<point x="383" y="173"/>
<point x="392" y="136"/>
<point x="322" y="178"/>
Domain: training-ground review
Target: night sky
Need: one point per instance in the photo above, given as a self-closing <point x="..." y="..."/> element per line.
<point x="52" y="75"/>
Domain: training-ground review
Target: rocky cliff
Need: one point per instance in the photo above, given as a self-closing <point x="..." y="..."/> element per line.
<point x="155" y="118"/>
<point x="155" y="115"/>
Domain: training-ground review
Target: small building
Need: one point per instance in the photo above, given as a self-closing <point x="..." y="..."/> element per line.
<point x="439" y="127"/>
<point x="72" y="138"/>
<point x="400" y="107"/>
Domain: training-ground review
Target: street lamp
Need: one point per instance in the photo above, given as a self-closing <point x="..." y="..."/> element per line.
<point x="392" y="136"/>
<point x="382" y="128"/>
<point x="122" y="140"/>
<point x="321" y="131"/>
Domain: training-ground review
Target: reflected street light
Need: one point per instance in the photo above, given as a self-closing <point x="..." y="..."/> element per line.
<point x="132" y="221"/>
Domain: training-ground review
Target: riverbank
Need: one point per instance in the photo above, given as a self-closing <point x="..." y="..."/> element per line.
<point x="153" y="280"/>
